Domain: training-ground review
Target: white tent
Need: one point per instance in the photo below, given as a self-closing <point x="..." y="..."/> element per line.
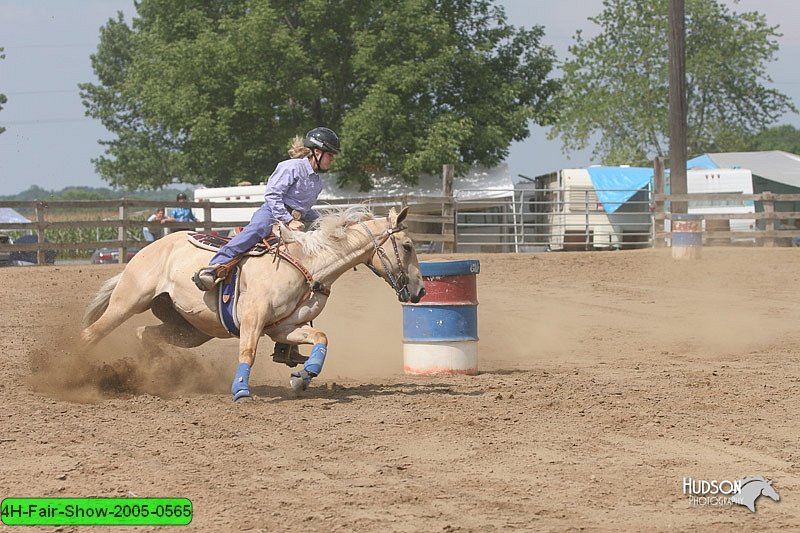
<point x="490" y="183"/>
<point x="10" y="216"/>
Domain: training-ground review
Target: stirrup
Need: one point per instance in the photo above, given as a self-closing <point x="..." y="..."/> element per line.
<point x="200" y="283"/>
<point x="288" y="354"/>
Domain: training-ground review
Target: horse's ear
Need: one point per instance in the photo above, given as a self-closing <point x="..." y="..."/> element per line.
<point x="286" y="234"/>
<point x="402" y="216"/>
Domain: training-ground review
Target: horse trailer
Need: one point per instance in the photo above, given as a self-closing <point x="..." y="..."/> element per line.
<point x="563" y="210"/>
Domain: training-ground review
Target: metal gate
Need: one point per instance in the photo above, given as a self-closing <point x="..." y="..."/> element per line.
<point x="528" y="219"/>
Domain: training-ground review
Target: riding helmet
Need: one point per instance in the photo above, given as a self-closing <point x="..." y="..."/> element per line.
<point x="323" y="138"/>
<point x="181" y="196"/>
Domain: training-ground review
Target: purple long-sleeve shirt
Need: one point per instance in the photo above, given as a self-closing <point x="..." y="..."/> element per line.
<point x="295" y="185"/>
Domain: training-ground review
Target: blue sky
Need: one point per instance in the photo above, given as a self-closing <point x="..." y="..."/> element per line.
<point x="49" y="142"/>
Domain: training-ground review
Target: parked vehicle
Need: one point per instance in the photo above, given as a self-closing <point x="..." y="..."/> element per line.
<point x="29" y="257"/>
<point x="103" y="256"/>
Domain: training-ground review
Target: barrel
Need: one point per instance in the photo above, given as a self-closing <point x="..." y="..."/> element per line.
<point x="687" y="236"/>
<point x="440" y="333"/>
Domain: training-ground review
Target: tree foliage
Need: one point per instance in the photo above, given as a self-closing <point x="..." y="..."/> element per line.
<point x="3" y="98"/>
<point x="212" y="91"/>
<point x="784" y="137"/>
<point x="616" y="85"/>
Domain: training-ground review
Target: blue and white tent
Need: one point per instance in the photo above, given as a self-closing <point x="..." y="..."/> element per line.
<point x="617" y="185"/>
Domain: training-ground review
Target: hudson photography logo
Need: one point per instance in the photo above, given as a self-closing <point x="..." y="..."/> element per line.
<point x="727" y="493"/>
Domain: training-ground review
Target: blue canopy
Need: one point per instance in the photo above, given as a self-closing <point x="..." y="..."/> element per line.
<point x="701" y="161"/>
<point x="616" y="185"/>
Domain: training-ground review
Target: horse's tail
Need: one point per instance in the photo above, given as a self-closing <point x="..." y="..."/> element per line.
<point x="99" y="304"/>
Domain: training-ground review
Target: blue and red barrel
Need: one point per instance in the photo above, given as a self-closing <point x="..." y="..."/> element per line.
<point x="440" y="333"/>
<point x="687" y="235"/>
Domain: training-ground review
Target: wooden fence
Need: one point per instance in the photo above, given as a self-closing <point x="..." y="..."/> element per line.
<point x="772" y="226"/>
<point x="426" y="212"/>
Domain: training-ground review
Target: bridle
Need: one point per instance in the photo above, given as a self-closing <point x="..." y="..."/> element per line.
<point x="399" y="283"/>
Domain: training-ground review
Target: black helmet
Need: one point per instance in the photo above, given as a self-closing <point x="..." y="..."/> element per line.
<point x="323" y="138"/>
<point x="181" y="196"/>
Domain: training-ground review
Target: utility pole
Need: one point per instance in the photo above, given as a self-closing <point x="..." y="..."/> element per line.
<point x="677" y="103"/>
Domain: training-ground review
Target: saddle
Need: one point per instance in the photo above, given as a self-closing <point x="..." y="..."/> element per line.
<point x="229" y="289"/>
<point x="212" y="243"/>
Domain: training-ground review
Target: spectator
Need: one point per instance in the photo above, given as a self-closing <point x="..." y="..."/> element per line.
<point x="158" y="216"/>
<point x="182" y="214"/>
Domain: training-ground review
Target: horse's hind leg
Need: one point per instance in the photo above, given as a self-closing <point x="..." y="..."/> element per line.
<point x="175" y="329"/>
<point x="153" y="337"/>
<point x="126" y="300"/>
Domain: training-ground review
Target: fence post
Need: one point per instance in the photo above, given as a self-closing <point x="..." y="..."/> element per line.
<point x="207" y="219"/>
<point x="658" y="205"/>
<point x="768" y="201"/>
<point x="40" y="237"/>
<point x="122" y="232"/>
<point x="448" y="172"/>
<point x="586" y="220"/>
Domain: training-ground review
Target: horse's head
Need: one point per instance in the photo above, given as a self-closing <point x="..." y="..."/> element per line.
<point x="395" y="258"/>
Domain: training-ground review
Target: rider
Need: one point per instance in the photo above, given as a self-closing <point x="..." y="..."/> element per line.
<point x="291" y="192"/>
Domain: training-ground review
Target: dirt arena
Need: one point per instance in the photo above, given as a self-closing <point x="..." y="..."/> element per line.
<point x="605" y="379"/>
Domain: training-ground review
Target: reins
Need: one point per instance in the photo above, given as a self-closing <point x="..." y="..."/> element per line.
<point x="280" y="252"/>
<point x="400" y="283"/>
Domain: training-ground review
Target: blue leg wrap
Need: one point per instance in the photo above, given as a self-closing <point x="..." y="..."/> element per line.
<point x="241" y="383"/>
<point x="317" y="358"/>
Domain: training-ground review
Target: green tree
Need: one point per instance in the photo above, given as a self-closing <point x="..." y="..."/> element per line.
<point x="616" y="84"/>
<point x="3" y="98"/>
<point x="212" y="91"/>
<point x="784" y="137"/>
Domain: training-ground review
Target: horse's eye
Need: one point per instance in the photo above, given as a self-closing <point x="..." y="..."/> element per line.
<point x="408" y="247"/>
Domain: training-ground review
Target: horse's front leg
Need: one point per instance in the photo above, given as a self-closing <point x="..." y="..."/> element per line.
<point x="249" y="332"/>
<point x="313" y="366"/>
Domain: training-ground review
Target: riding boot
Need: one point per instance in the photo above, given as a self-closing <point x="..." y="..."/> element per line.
<point x="205" y="279"/>
<point x="288" y="354"/>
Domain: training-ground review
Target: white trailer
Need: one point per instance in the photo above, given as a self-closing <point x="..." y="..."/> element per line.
<point x="722" y="180"/>
<point x="237" y="216"/>
<point x="579" y="220"/>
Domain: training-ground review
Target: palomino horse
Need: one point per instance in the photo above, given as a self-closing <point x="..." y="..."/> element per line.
<point x="276" y="298"/>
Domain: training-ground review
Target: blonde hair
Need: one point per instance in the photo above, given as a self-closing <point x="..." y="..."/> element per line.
<point x="298" y="150"/>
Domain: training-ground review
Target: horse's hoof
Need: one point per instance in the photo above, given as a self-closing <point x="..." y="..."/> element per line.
<point x="297" y="384"/>
<point x="243" y="394"/>
<point x="299" y="381"/>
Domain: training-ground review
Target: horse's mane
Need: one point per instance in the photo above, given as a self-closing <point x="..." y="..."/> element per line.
<point x="329" y="229"/>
